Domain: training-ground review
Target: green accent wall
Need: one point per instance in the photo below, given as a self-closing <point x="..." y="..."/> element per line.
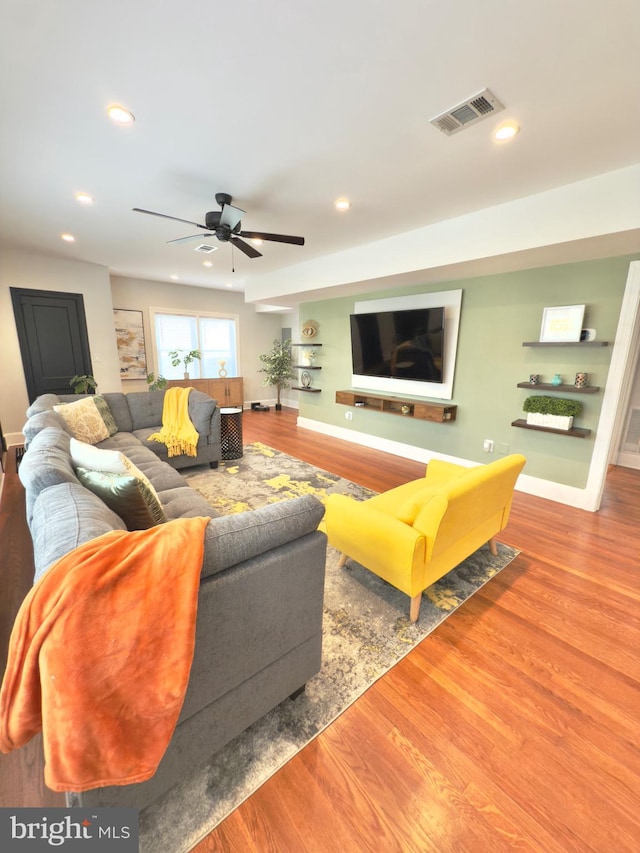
<point x="498" y="313"/>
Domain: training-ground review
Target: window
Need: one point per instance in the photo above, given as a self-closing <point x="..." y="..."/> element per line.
<point x="214" y="335"/>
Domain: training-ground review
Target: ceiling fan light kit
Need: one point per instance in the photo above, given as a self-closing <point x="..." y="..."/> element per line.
<point x="225" y="224"/>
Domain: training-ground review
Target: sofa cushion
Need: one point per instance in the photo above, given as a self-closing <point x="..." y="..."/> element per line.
<point x="105" y="414"/>
<point x="43" y="403"/>
<point x="83" y="420"/>
<point x="38" y="422"/>
<point x="201" y="409"/>
<point x="126" y="495"/>
<point x="119" y="408"/>
<point x="85" y="517"/>
<point x="146" y="408"/>
<point x="108" y="461"/>
<point x="47" y="463"/>
<point x="184" y="502"/>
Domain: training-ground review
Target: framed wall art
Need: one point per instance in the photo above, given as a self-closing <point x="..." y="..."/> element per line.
<point x="130" y="342"/>
<point x="562" y="323"/>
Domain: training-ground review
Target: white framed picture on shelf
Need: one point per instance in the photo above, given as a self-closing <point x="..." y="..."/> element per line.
<point x="562" y="324"/>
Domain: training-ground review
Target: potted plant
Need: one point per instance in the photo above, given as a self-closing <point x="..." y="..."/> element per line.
<point x="278" y="367"/>
<point x="83" y="384"/>
<point x="551" y="412"/>
<point x="156" y="383"/>
<point x="180" y="355"/>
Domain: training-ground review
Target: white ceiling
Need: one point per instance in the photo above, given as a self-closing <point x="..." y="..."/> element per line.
<point x="289" y="105"/>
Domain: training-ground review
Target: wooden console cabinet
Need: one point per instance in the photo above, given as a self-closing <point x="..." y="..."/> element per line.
<point x="228" y="391"/>
<point x="407" y="407"/>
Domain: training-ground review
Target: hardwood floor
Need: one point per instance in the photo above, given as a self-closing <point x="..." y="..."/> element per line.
<point x="513" y="726"/>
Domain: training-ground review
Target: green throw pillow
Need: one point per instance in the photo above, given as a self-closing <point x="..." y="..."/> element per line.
<point x="127" y="496"/>
<point x="105" y="414"/>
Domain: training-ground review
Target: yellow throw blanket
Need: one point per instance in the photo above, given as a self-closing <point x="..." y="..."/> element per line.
<point x="100" y="655"/>
<point x="177" y="432"/>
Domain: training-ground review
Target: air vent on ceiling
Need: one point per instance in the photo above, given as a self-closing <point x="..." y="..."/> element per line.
<point x="469" y="112"/>
<point x="206" y="250"/>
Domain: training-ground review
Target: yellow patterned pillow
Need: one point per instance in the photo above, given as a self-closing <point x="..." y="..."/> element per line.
<point x="83" y="420"/>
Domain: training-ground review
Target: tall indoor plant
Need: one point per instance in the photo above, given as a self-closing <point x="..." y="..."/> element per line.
<point x="180" y="355"/>
<point x="278" y="367"/>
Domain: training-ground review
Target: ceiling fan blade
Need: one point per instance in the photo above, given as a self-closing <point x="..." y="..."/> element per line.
<point x="191" y="237"/>
<point x="230" y="215"/>
<point x="164" y="216"/>
<point x="246" y="248"/>
<point x="276" y="238"/>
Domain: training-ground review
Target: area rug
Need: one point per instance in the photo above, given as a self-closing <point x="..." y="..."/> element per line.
<point x="366" y="630"/>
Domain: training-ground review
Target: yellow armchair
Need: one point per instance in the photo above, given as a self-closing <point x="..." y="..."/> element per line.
<point x="414" y="534"/>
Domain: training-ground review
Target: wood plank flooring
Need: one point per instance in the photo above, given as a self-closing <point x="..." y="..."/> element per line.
<point x="513" y="726"/>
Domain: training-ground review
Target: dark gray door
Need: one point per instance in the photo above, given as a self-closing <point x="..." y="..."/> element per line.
<point x="54" y="344"/>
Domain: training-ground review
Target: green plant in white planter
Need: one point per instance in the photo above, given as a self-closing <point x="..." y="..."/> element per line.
<point x="180" y="355"/>
<point x="551" y="412"/>
<point x="278" y="367"/>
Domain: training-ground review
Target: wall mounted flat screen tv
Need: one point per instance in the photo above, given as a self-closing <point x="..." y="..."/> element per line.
<point x="405" y="344"/>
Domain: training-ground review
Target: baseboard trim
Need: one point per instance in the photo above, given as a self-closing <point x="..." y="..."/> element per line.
<point x="568" y="495"/>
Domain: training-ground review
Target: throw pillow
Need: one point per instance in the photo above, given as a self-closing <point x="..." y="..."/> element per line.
<point x="108" y="461"/>
<point x="127" y="496"/>
<point x="83" y="420"/>
<point x="105" y="414"/>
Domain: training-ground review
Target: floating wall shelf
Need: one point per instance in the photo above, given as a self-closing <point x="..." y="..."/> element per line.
<point x="406" y="407"/>
<point x="571" y="389"/>
<point x="565" y="343"/>
<point x="575" y="432"/>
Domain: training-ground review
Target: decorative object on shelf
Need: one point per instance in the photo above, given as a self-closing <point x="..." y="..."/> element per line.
<point x="557" y="379"/>
<point x="562" y="323"/>
<point x="588" y="335"/>
<point x="551" y="412"/>
<point x="581" y="379"/>
<point x="534" y="378"/>
<point x="222" y="372"/>
<point x="309" y="329"/>
<point x="405" y="409"/>
<point x="305" y="378"/>
<point x="83" y="384"/>
<point x="307" y="356"/>
<point x="180" y="355"/>
<point x="278" y="368"/>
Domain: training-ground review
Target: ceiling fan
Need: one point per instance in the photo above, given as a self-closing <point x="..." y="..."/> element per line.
<point x="225" y="224"/>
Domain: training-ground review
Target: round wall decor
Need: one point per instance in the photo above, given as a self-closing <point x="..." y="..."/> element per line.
<point x="305" y="379"/>
<point x="309" y="329"/>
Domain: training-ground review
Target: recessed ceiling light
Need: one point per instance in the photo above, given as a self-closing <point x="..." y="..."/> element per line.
<point x="229" y="284"/>
<point x="505" y="131"/>
<point x="84" y="198"/>
<point x="174" y="277"/>
<point x="207" y="263"/>
<point x="120" y="115"/>
<point x="343" y="204"/>
<point x="68" y="238"/>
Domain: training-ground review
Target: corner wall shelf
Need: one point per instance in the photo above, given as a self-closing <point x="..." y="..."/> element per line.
<point x="306" y="390"/>
<point x="575" y="432"/>
<point x="571" y="389"/>
<point x="565" y="343"/>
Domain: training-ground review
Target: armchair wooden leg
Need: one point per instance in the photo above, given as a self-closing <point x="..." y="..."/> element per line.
<point x="343" y="559"/>
<point x="493" y="546"/>
<point x="414" y="609"/>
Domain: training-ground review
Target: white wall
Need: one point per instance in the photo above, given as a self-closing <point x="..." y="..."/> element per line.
<point x="40" y="272"/>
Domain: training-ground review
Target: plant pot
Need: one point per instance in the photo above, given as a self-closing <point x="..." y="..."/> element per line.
<point x="186" y="375"/>
<point x="550" y="421"/>
<point x="278" y="407"/>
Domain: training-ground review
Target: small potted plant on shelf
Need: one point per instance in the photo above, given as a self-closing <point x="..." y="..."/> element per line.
<point x="551" y="412"/>
<point x="83" y="384"/>
<point x="278" y="367"/>
<point x="180" y="355"/>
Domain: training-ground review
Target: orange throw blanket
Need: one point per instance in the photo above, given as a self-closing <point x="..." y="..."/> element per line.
<point x="100" y="655"/>
<point x="178" y="433"/>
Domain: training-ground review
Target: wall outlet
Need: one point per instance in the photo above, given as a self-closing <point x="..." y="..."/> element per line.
<point x="488" y="445"/>
<point x="348" y="415"/>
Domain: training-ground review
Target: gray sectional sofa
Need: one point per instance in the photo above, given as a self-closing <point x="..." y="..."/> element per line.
<point x="259" y="621"/>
